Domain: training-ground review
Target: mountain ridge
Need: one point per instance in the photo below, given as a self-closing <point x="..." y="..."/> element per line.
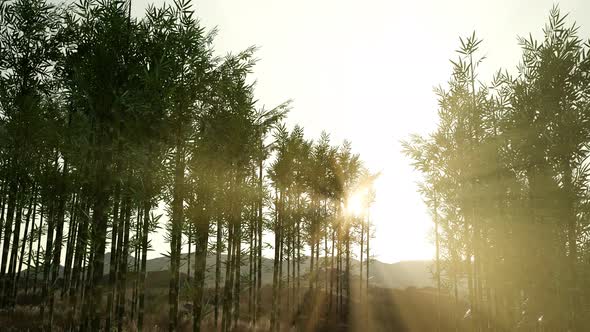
<point x="401" y="275"/>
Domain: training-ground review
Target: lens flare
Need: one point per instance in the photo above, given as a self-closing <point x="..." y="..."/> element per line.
<point x="356" y="203"/>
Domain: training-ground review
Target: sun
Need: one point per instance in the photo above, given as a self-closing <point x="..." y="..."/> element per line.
<point x="355" y="204"/>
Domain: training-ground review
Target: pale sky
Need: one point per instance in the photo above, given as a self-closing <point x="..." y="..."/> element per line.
<point x="365" y="70"/>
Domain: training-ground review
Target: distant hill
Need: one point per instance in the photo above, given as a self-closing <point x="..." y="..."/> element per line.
<point x="402" y="274"/>
<point x="397" y="275"/>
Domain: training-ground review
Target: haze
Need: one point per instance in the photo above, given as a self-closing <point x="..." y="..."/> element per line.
<point x="365" y="71"/>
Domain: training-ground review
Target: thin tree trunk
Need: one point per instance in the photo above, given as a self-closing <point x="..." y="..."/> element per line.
<point x="254" y="272"/>
<point x="37" y="262"/>
<point x="368" y="260"/>
<point x="113" y="258"/>
<point x="47" y="260"/>
<point x="288" y="255"/>
<point x="238" y="263"/>
<point x="12" y="200"/>
<point x="332" y="270"/>
<point x="361" y="261"/>
<point x="251" y="267"/>
<point x="30" y="252"/>
<point x="136" y="263"/>
<point x="281" y="245"/>
<point x="30" y="211"/>
<point x="218" y="247"/>
<point x="58" y="243"/>
<point x="227" y="289"/>
<point x="259" y="238"/>
<point x="142" y="276"/>
<point x="123" y="264"/>
<point x="347" y="272"/>
<point x="99" y="231"/>
<point x="80" y="250"/>
<point x="2" y="208"/>
<point x="438" y="281"/>
<point x="177" y="217"/>
<point x="190" y="240"/>
<point x="10" y="289"/>
<point x="275" y="275"/>
<point x="70" y="247"/>
<point x="202" y="236"/>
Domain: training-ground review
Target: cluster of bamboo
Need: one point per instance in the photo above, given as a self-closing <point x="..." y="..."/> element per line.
<point x="506" y="180"/>
<point x="104" y="118"/>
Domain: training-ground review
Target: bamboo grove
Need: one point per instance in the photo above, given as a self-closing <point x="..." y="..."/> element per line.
<point x="115" y="129"/>
<point x="506" y="179"/>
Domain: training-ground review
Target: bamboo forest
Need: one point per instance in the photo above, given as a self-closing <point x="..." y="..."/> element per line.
<point x="125" y="131"/>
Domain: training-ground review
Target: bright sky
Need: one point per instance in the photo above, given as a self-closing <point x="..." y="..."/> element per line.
<point x="365" y="70"/>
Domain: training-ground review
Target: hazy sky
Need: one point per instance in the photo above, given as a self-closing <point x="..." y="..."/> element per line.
<point x="365" y="70"/>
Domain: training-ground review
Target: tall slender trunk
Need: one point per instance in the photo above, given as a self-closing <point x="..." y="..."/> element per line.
<point x="38" y="252"/>
<point x="332" y="269"/>
<point x="2" y="207"/>
<point x="11" y="286"/>
<point x="572" y="257"/>
<point x="136" y="264"/>
<point x="30" y="250"/>
<point x="311" y="257"/>
<point x="30" y="212"/>
<point x="361" y="261"/>
<point x="87" y="284"/>
<point x="202" y="236"/>
<point x="281" y="246"/>
<point x="238" y="263"/>
<point x="251" y="268"/>
<point x="190" y="241"/>
<point x="218" y="248"/>
<point x="144" y="247"/>
<point x="293" y="262"/>
<point x="259" y="238"/>
<point x="99" y="232"/>
<point x="177" y="218"/>
<point x="254" y="272"/>
<point x="113" y="258"/>
<point x="123" y="263"/>
<point x="339" y="279"/>
<point x="325" y="262"/>
<point x="12" y="200"/>
<point x="347" y="272"/>
<point x="368" y="258"/>
<point x="298" y="286"/>
<point x="275" y="275"/>
<point x="70" y="246"/>
<point x="437" y="258"/>
<point x="80" y="249"/>
<point x="58" y="243"/>
<point x="99" y="169"/>
<point x="227" y="289"/>
<point x="47" y="260"/>
<point x="288" y="261"/>
<point x="119" y="253"/>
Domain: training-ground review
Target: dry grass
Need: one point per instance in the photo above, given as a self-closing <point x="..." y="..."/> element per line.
<point x="387" y="310"/>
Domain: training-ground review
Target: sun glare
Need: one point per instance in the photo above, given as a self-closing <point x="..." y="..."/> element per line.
<point x="356" y="203"/>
